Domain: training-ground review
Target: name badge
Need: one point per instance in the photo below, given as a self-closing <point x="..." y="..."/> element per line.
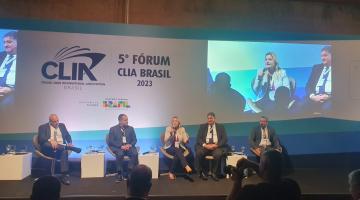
<point x="124" y="139"/>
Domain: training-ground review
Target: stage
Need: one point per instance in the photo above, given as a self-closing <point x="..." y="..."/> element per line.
<point x="315" y="183"/>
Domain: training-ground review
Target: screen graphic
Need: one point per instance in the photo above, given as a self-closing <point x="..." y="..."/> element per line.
<point x="271" y="78"/>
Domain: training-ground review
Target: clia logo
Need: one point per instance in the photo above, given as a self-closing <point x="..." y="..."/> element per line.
<point x="56" y="69"/>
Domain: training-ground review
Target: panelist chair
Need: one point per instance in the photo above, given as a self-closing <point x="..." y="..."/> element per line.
<point x="256" y="109"/>
<point x="163" y="151"/>
<point x="171" y="157"/>
<point x="126" y="158"/>
<point x="39" y="154"/>
<point x="210" y="159"/>
<point x="222" y="164"/>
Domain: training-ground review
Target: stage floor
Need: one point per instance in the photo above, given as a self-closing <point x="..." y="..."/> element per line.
<point x="311" y="181"/>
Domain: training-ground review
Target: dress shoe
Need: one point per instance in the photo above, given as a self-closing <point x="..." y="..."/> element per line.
<point x="213" y="176"/>
<point x="188" y="177"/>
<point x="119" y="178"/>
<point x="203" y="176"/>
<point x="65" y="179"/>
<point x="74" y="149"/>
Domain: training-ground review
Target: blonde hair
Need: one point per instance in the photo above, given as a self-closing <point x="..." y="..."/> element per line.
<point x="177" y="118"/>
<point x="274" y="56"/>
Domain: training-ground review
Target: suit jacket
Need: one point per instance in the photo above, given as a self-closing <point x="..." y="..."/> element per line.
<point x="115" y="137"/>
<point x="3" y="55"/>
<point x="221" y="135"/>
<point x="44" y="133"/>
<point x="313" y="79"/>
<point x="255" y="137"/>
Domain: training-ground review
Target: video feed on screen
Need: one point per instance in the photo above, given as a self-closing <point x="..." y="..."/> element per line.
<point x="265" y="77"/>
<point x="8" y="54"/>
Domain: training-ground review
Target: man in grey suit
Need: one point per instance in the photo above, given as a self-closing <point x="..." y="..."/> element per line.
<point x="54" y="140"/>
<point x="211" y="140"/>
<point x="122" y="140"/>
<point x="263" y="137"/>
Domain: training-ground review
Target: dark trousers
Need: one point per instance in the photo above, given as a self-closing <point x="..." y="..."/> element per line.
<point x="132" y="154"/>
<point x="201" y="152"/>
<point x="59" y="154"/>
<point x="178" y="154"/>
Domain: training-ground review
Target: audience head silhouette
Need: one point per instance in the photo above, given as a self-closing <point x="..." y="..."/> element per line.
<point x="354" y="184"/>
<point x="139" y="182"/>
<point x="46" y="188"/>
<point x="270" y="167"/>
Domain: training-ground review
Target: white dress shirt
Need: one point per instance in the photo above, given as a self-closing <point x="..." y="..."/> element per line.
<point x="56" y="132"/>
<point x="208" y="135"/>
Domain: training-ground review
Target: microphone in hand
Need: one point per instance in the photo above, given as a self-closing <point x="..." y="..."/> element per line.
<point x="262" y="72"/>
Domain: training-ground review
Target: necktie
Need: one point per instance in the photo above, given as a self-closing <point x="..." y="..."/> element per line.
<point x="324" y="77"/>
<point x="211" y="141"/>
<point x="7" y="70"/>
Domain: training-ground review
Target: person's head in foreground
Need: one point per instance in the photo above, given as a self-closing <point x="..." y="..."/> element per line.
<point x="139" y="182"/>
<point x="46" y="188"/>
<point x="354" y="184"/>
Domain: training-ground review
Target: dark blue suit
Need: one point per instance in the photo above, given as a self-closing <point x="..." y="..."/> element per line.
<point x="115" y="143"/>
<point x="44" y="134"/>
<point x="201" y="152"/>
<point x="2" y="59"/>
<point x="313" y="79"/>
<point x="311" y="89"/>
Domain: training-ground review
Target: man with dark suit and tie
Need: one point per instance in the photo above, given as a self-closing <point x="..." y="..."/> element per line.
<point x="211" y="140"/>
<point x="263" y="137"/>
<point x="54" y="140"/>
<point x="318" y="88"/>
<point x="122" y="140"/>
<point x="8" y="63"/>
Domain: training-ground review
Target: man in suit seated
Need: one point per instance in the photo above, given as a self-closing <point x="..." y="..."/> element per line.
<point x="55" y="140"/>
<point x="263" y="137"/>
<point x="211" y="140"/>
<point x="318" y="88"/>
<point x="122" y="140"/>
<point x="8" y="64"/>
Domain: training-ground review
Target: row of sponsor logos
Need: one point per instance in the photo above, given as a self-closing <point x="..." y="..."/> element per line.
<point x="108" y="103"/>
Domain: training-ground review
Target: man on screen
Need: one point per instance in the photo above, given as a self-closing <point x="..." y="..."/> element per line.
<point x="318" y="87"/>
<point x="263" y="137"/>
<point x="211" y="140"/>
<point x="122" y="140"/>
<point x="8" y="63"/>
<point x="54" y="140"/>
